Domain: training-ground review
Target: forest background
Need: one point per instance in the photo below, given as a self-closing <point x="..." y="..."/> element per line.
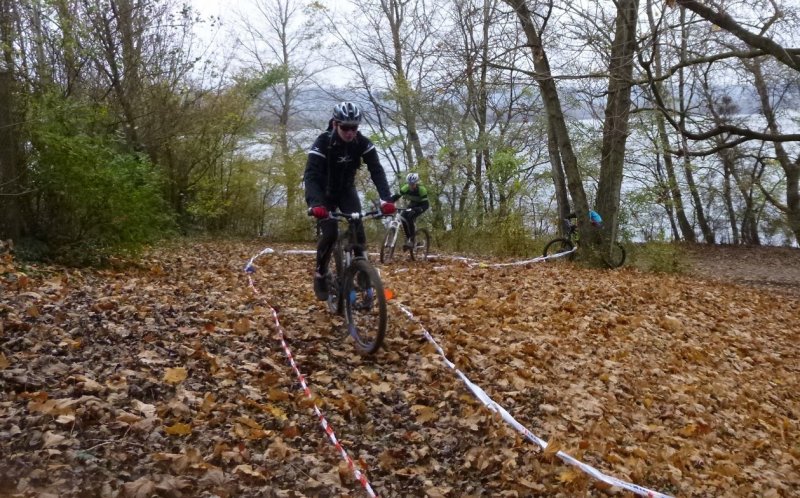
<point x="676" y="120"/>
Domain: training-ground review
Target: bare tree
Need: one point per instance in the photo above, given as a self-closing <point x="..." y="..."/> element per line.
<point x="791" y="167"/>
<point x="281" y="37"/>
<point x="760" y="44"/>
<point x="765" y="44"/>
<point x="684" y="100"/>
<point x="552" y="105"/>
<point x="675" y="204"/>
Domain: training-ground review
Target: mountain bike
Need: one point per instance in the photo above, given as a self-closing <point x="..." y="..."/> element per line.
<point x="355" y="289"/>
<point x="564" y="248"/>
<point x="422" y="239"/>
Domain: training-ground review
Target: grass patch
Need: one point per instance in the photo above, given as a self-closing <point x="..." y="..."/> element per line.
<point x="657" y="257"/>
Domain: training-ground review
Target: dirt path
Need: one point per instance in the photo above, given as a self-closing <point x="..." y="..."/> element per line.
<point x="773" y="268"/>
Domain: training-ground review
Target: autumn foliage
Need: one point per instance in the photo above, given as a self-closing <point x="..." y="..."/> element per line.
<point x="165" y="377"/>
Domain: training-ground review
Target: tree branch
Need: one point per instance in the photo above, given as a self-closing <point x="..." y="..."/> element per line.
<point x="745" y="133"/>
<point x="733" y="54"/>
<point x="726" y="22"/>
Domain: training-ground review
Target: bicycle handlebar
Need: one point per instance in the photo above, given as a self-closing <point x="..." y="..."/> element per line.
<point x="357" y="216"/>
<point x="338" y="215"/>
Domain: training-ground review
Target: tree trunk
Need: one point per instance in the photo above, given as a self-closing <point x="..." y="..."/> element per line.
<point x="11" y="166"/>
<point x="749" y="225"/>
<point x="675" y="196"/>
<point x="559" y="181"/>
<point x="10" y="160"/>
<point x="66" y="19"/>
<point x="791" y="169"/>
<point x="665" y="195"/>
<point x="727" y="195"/>
<point x="555" y="115"/>
<point x="708" y="235"/>
<point x="406" y="97"/>
<point x="615" y="125"/>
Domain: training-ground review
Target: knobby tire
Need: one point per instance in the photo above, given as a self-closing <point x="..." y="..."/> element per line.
<point x="364" y="306"/>
<point x="335" y="270"/>
<point x="422" y="244"/>
<point x="387" y="249"/>
<point x="617" y="257"/>
<point x="557" y="246"/>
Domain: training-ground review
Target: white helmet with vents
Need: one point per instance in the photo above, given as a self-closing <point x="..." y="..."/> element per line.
<point x="347" y="113"/>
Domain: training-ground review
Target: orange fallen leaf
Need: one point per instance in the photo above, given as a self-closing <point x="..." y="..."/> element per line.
<point x="209" y="402"/>
<point x="175" y="375"/>
<point x="278" y="413"/>
<point x="248" y="470"/>
<point x="424" y="413"/>
<point x="568" y="475"/>
<point x="179" y="429"/>
<point x="241" y="326"/>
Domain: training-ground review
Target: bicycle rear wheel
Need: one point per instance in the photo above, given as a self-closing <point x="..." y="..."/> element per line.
<point x="422" y="243"/>
<point x="555" y="249"/>
<point x="335" y="269"/>
<point x="387" y="249"/>
<point x="364" y="306"/>
<point x="617" y="256"/>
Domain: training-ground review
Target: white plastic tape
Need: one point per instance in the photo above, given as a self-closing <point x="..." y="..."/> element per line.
<point x="493" y="406"/>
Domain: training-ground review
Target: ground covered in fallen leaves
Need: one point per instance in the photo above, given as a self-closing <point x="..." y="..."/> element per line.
<point x="165" y="378"/>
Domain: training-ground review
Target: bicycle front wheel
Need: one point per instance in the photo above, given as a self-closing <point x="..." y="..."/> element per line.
<point x="422" y="243"/>
<point x="387" y="249"/>
<point x="556" y="250"/>
<point x="335" y="269"/>
<point x="364" y="306"/>
<point x="617" y="256"/>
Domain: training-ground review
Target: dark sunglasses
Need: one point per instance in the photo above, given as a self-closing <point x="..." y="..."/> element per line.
<point x="345" y="127"/>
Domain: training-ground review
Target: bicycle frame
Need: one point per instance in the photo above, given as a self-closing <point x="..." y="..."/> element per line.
<point x="347" y="242"/>
<point x="396" y="222"/>
<point x="393" y="225"/>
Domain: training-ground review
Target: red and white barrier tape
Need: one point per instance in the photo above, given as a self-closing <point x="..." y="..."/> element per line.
<point x="493" y="406"/>
<point x="360" y="477"/>
<point x="476" y="390"/>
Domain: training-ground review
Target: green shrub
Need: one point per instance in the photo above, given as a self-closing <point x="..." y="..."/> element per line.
<point x="504" y="236"/>
<point x="92" y="198"/>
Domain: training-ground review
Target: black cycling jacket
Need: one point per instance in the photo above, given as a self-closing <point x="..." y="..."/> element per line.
<point x="332" y="165"/>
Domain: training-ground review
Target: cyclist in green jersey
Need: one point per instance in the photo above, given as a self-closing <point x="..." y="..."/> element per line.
<point x="416" y="195"/>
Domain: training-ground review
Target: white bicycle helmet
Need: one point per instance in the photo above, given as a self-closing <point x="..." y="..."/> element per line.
<point x="347" y="113"/>
<point x="412" y="178"/>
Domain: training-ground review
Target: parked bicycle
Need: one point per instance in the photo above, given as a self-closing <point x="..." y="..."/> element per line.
<point x="564" y="248"/>
<point x="422" y="239"/>
<point x="355" y="289"/>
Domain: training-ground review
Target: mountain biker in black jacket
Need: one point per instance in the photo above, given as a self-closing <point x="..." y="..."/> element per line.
<point x="329" y="181"/>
